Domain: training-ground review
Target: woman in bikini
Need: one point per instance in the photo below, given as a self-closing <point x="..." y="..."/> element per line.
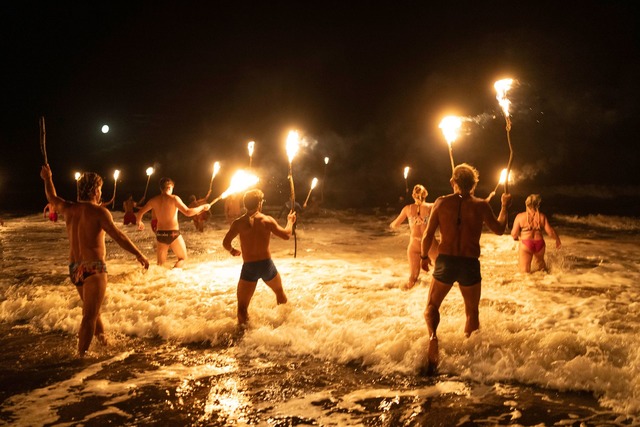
<point x="527" y="227"/>
<point x="418" y="215"/>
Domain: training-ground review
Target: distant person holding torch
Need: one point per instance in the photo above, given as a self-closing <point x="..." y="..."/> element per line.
<point x="166" y="206"/>
<point x="460" y="217"/>
<point x="254" y="229"/>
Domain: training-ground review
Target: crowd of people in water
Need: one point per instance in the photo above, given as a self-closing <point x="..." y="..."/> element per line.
<point x="444" y="237"/>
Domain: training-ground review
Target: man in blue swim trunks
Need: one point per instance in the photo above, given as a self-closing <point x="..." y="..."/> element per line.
<point x="87" y="221"/>
<point x="460" y="217"/>
<point x="254" y="229"/>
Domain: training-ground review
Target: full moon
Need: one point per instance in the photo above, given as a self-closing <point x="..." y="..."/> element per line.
<point x="105" y="128"/>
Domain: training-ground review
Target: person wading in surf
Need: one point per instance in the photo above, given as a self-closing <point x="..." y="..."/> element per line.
<point x="460" y="217"/>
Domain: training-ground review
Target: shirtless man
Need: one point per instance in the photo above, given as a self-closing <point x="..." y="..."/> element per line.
<point x="86" y="223"/>
<point x="460" y="217"/>
<point x="255" y="229"/>
<point x="166" y="206"/>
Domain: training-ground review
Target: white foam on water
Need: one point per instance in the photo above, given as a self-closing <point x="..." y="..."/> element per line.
<point x="574" y="328"/>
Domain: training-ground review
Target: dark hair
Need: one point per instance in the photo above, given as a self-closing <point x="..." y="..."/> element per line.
<point x="466" y="176"/>
<point x="165" y="182"/>
<point x="252" y="199"/>
<point x="88" y="184"/>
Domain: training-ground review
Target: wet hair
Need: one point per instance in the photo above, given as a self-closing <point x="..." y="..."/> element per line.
<point x="88" y="185"/>
<point x="423" y="193"/>
<point x="533" y="201"/>
<point x="252" y="199"/>
<point x="465" y="176"/>
<point x="165" y="182"/>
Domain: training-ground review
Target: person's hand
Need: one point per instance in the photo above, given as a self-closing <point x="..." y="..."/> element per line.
<point x="558" y="244"/>
<point x="235" y="252"/>
<point x="141" y="226"/>
<point x="207" y="206"/>
<point x="292" y="217"/>
<point x="143" y="260"/>
<point x="505" y="199"/>
<point x="426" y="263"/>
<point x="45" y="172"/>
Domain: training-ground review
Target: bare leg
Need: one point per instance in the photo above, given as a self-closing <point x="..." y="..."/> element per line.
<point x="99" y="332"/>
<point x="180" y="249"/>
<point x="94" y="289"/>
<point x="276" y="286"/>
<point x="471" y="296"/>
<point x="524" y="258"/>
<point x="161" y="251"/>
<point x="413" y="255"/>
<point x="244" y="293"/>
<point x="539" y="257"/>
<point x="437" y="292"/>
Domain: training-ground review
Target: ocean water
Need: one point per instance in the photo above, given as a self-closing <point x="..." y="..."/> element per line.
<point x="556" y="348"/>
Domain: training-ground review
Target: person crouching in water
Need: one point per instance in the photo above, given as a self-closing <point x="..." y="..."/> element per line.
<point x="527" y="227"/>
<point x="166" y="206"/>
<point x="417" y="214"/>
<point x="254" y="229"/>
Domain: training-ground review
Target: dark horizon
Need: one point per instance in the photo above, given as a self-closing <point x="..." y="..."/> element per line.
<point x="182" y="86"/>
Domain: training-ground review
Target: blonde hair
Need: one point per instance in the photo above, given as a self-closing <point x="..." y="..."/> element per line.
<point x="423" y="193"/>
<point x="533" y="201"/>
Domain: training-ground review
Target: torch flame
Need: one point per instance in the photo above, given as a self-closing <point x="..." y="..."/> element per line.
<point x="314" y="182"/>
<point x="450" y="126"/>
<point x="77" y="176"/>
<point x="240" y="181"/>
<point x="116" y="174"/>
<point x="326" y="160"/>
<point x="250" y="147"/>
<point x="406" y="172"/>
<point x="149" y="171"/>
<point x="502" y="87"/>
<point x="503" y="176"/>
<point x="293" y="144"/>
<point x="216" y="169"/>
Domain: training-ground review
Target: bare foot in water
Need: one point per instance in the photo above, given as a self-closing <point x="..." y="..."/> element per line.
<point x="102" y="339"/>
<point x="433" y="356"/>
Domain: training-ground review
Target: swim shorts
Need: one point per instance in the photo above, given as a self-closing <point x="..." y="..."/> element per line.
<point x="252" y="271"/>
<point x="464" y="270"/>
<point x="129" y="218"/>
<point x="167" y="236"/>
<point x="79" y="272"/>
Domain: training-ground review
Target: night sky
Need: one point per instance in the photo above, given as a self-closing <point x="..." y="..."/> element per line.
<point x="183" y="84"/>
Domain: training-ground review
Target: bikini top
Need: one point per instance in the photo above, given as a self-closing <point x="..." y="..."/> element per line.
<point x="533" y="224"/>
<point x="417" y="219"/>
